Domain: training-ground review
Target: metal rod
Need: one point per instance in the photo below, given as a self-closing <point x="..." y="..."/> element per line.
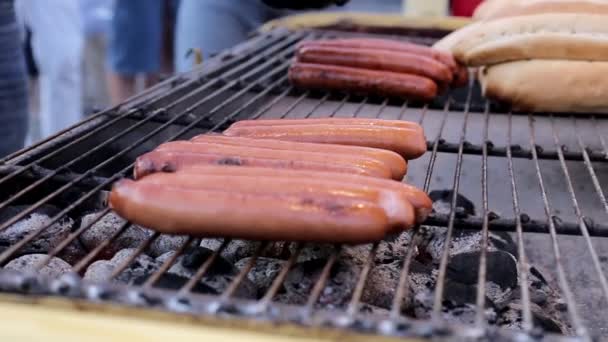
<point x="577" y="209"/>
<point x="200" y="272"/>
<point x="139" y="251"/>
<point x="315" y="293"/>
<point x="278" y="281"/>
<point x="353" y="306"/>
<point x="439" y="287"/>
<point x="522" y="264"/>
<point x="168" y="263"/>
<point x="563" y="282"/>
<point x="481" y="280"/>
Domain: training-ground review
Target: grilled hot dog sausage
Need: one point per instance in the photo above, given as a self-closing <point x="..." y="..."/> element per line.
<point x="169" y="161"/>
<point x="383" y="83"/>
<point x="421" y="202"/>
<point x="391" y="159"/>
<point x="397" y="207"/>
<point x="374" y="166"/>
<point x="330" y="121"/>
<point x="395" y="61"/>
<point x="302" y="217"/>
<point x="408" y="143"/>
<point x="386" y="45"/>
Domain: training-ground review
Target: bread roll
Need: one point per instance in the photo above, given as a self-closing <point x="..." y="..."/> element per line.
<point x="550" y="6"/>
<point x="549" y="85"/>
<point x="545" y="36"/>
<point x="490" y="8"/>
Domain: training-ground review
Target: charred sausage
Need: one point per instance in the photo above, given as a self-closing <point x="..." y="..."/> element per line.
<point x="368" y="82"/>
<point x="168" y="161"/>
<point x="397" y="207"/>
<point x="374" y="166"/>
<point x="395" y="61"/>
<point x="302" y="217"/>
<point x="391" y="159"/>
<point x="408" y="143"/>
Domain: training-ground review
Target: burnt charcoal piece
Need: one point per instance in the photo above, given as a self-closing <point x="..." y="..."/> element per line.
<point x="108" y="225"/>
<point x="218" y="276"/>
<point x="303" y="276"/>
<point x="234" y="251"/>
<point x="511" y="317"/>
<point x="263" y="272"/>
<point x="46" y="241"/>
<point x="27" y="263"/>
<point x="442" y="200"/>
<point x="501" y="268"/>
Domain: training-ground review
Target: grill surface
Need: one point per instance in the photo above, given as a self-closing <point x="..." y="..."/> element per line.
<point x="524" y="173"/>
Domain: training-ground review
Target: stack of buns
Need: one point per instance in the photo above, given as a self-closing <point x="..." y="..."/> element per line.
<point x="542" y="56"/>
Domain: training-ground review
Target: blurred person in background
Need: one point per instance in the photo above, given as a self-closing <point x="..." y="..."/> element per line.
<point x="96" y="17"/>
<point x="138" y="35"/>
<point x="13" y="83"/>
<point x="56" y="42"/>
<point x="212" y="26"/>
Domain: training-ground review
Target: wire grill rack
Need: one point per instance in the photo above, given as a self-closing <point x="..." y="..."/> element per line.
<point x="525" y="173"/>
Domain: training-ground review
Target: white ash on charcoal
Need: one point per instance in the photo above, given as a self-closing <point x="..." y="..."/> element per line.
<point x="142" y="266"/>
<point x="107" y="226"/>
<point x="49" y="238"/>
<point x="216" y="279"/>
<point x="165" y="243"/>
<point x="29" y="263"/>
<point x="263" y="272"/>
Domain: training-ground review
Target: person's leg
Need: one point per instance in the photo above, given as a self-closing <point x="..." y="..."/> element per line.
<point x="212" y="26"/>
<point x="13" y="83"/>
<point x="134" y="45"/>
<point x="57" y="43"/>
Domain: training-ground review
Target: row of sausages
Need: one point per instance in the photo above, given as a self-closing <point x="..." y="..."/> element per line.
<point x="372" y="66"/>
<point x="331" y="180"/>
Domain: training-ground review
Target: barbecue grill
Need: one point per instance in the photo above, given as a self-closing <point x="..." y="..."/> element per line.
<point x="514" y="248"/>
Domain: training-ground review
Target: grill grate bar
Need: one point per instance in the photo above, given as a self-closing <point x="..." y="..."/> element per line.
<point x="54" y="136"/>
<point x="563" y="282"/>
<point x="439" y="287"/>
<point x="577" y="209"/>
<point x="202" y="270"/>
<point x="322" y="281"/>
<point x="356" y="297"/>
<point x="84" y="262"/>
<point x="402" y="293"/>
<point x="278" y="281"/>
<point x="481" y="281"/>
<point x="236" y="282"/>
<point x="522" y="264"/>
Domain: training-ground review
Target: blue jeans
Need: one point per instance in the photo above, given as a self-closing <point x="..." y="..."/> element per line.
<point x="213" y="25"/>
<point x="13" y="83"/>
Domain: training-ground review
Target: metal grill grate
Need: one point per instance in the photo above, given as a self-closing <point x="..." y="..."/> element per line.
<point x="526" y="174"/>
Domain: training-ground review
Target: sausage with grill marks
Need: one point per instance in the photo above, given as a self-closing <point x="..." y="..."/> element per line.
<point x="397" y="207"/>
<point x="171" y="161"/>
<point x="374" y="166"/>
<point x="395" y="61"/>
<point x="207" y="213"/>
<point x="410" y="144"/>
<point x="391" y="159"/>
<point x="385" y="45"/>
<point x="363" y="81"/>
<point x="420" y="200"/>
